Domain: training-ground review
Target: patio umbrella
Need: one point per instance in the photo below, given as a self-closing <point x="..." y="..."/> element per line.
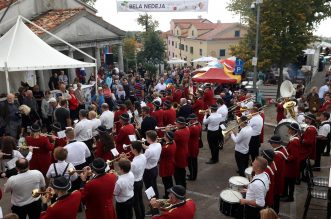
<point x="176" y="61"/>
<point x="205" y="59"/>
<point x="214" y="75"/>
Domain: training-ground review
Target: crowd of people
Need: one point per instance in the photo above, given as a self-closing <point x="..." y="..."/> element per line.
<point x="84" y="155"/>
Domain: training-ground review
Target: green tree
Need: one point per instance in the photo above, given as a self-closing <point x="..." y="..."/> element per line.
<point x="89" y="2"/>
<point x="129" y="52"/>
<point x="147" y="22"/>
<point x="286" y="29"/>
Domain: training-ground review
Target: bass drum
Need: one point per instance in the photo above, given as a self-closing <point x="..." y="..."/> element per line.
<point x="282" y="130"/>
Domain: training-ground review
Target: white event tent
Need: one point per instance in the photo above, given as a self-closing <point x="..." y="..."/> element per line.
<point x="22" y="50"/>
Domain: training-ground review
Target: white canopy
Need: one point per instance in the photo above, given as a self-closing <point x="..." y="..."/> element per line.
<point x="205" y="59"/>
<point x="22" y="50"/>
<point x="176" y="61"/>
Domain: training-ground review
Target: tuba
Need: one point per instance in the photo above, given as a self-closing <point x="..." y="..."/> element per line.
<point x="287" y="90"/>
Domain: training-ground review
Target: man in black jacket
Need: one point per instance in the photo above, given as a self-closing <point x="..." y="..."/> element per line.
<point x="148" y="123"/>
<point x="10" y="119"/>
<point x="185" y="109"/>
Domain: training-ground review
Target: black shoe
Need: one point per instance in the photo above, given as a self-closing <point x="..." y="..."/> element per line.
<point x="211" y="162"/>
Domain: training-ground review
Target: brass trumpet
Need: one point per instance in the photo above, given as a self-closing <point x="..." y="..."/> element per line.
<point x="165" y="205"/>
<point x="110" y="162"/>
<point x="237" y="104"/>
<point x="203" y="111"/>
<point x="72" y="171"/>
<point x="36" y="193"/>
<point x="4" y="154"/>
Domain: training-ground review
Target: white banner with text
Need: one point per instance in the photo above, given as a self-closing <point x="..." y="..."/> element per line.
<point x="162" y="6"/>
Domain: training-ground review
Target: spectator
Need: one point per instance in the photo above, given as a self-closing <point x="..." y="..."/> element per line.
<point x="73" y="104"/>
<point x="63" y="92"/>
<point x="10" y="120"/>
<point x="63" y="78"/>
<point x="80" y="96"/>
<point x="38" y="95"/>
<point x="161" y="85"/>
<point x="53" y="83"/>
<point x="313" y="100"/>
<point x="99" y="99"/>
<point x="29" y="117"/>
<point x="30" y="101"/>
<point x="62" y="115"/>
<point x="47" y="110"/>
<point x="324" y="89"/>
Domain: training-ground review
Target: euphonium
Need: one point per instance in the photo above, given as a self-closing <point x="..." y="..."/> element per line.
<point x="289" y="107"/>
<point x="165" y="205"/>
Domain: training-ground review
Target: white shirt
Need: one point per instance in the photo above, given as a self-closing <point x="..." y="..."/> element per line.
<point x="223" y="110"/>
<point x="324" y="129"/>
<point x="124" y="187"/>
<point x="8" y="164"/>
<point x="256" y="190"/>
<point x="138" y="166"/>
<point x="242" y="139"/>
<point x="60" y="167"/>
<point x="83" y="130"/>
<point x="301" y="118"/>
<point x="323" y="90"/>
<point x="95" y="124"/>
<point x="152" y="154"/>
<point x="21" y="186"/>
<point x="256" y="123"/>
<point x="107" y="119"/>
<point x="160" y="87"/>
<point x="213" y="121"/>
<point x="77" y="153"/>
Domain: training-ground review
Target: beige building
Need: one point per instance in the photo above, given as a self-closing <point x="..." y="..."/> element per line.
<point x="190" y="39"/>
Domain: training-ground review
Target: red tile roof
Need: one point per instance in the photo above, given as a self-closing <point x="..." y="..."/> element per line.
<point x="53" y="19"/>
<point x="205" y="26"/>
<point x="187" y="20"/>
<point x="215" y="32"/>
<point x="5" y="3"/>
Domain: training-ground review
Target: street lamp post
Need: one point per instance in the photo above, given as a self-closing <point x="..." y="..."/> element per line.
<point x="255" y="59"/>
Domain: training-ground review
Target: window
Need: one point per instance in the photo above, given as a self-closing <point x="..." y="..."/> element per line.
<point x="222" y="52"/>
<point x="177" y="33"/>
<point x="169" y="42"/>
<point x="237" y="33"/>
<point x="201" y="52"/>
<point x="181" y="46"/>
<point x="192" y="32"/>
<point x="172" y="43"/>
<point x="186" y="48"/>
<point x="191" y="49"/>
<point x="173" y="55"/>
<point x="176" y="45"/>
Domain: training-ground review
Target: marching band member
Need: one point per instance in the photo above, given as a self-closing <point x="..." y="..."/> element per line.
<point x="185" y="109"/>
<point x="213" y="122"/>
<point x="41" y="158"/>
<point x="301" y="115"/>
<point x="169" y="114"/>
<point x="169" y="96"/>
<point x="122" y="136"/>
<point x="222" y="110"/>
<point x="158" y="115"/>
<point x="208" y="96"/>
<point x="327" y="102"/>
<point x="104" y="144"/>
<point x="83" y="132"/>
<point x="95" y="122"/>
<point x="322" y="138"/>
<point x="198" y="105"/>
<point x="308" y="142"/>
<point x="152" y="154"/>
<point x="66" y="205"/>
<point x="182" y="136"/>
<point x="259" y="107"/>
<point x="181" y="207"/>
<point x="149" y="103"/>
<point x="280" y="111"/>
<point x="193" y="146"/>
<point x="138" y="166"/>
<point x="167" y="162"/>
<point x="117" y="116"/>
<point x="241" y="141"/>
<point x="78" y="153"/>
<point x="148" y="123"/>
<point x="257" y="190"/>
<point x="8" y="161"/>
<point x="178" y="94"/>
<point x="107" y="117"/>
<point x="292" y="170"/>
<point x="61" y="167"/>
<point x="20" y="187"/>
<point x="256" y="122"/>
<point x="98" y="192"/>
<point x="124" y="190"/>
<point x="271" y="169"/>
<point x="57" y="142"/>
<point x="280" y="158"/>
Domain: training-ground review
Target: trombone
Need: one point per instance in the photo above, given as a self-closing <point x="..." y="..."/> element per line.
<point x="72" y="171"/>
<point x="27" y="147"/>
<point x="237" y="104"/>
<point x="110" y="162"/>
<point x="204" y="111"/>
<point x="225" y="133"/>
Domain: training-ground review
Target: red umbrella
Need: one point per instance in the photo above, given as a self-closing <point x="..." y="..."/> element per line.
<point x="214" y="75"/>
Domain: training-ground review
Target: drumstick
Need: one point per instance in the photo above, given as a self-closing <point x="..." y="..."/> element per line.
<point x="235" y="195"/>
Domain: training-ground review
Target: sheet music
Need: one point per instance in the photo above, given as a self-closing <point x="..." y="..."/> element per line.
<point x="150" y="193"/>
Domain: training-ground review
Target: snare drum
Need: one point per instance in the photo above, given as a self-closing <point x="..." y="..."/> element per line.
<point x="248" y="173"/>
<point x="229" y="202"/>
<point x="238" y="183"/>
